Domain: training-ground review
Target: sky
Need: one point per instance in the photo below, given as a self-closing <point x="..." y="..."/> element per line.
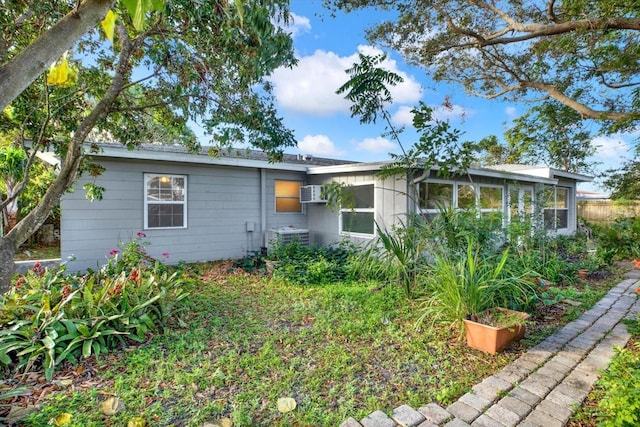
<point x="320" y="119"/>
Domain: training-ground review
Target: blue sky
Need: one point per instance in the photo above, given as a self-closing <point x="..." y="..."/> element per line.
<point x="321" y="121"/>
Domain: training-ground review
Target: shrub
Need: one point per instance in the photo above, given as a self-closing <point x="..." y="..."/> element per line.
<point x="619" y="240"/>
<point x="49" y="316"/>
<point x="303" y="265"/>
<point x="620" y="403"/>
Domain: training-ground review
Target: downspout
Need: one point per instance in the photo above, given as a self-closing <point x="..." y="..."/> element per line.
<point x="263" y="206"/>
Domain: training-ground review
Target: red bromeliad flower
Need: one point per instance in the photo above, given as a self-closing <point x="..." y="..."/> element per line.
<point x="113" y="252"/>
<point x="637" y="263"/>
<point x="141" y="234"/>
<point x="134" y="276"/>
<point x="638" y="290"/>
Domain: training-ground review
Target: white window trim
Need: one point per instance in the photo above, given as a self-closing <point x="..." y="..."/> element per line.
<point x="556" y="209"/>
<point x="275" y="198"/>
<point x="360" y="210"/>
<point x="147" y="178"/>
<point x="454" y="195"/>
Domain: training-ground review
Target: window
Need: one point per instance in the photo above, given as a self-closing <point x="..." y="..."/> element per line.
<point x="359" y="219"/>
<point x="487" y="199"/>
<point x="490" y="200"/>
<point x="288" y="196"/>
<point x="434" y="196"/>
<point x="165" y="201"/>
<point x="556" y="208"/>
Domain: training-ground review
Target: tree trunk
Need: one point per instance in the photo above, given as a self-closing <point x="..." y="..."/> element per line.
<point x="23" y="69"/>
<point x="7" y="252"/>
<point x="68" y="168"/>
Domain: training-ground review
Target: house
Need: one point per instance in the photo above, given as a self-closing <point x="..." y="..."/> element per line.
<point x="195" y="207"/>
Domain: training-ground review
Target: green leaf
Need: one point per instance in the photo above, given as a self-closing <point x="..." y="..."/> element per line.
<point x="84" y="330"/>
<point x="86" y="348"/>
<point x="138" y="10"/>
<point x="108" y="24"/>
<point x="48" y="342"/>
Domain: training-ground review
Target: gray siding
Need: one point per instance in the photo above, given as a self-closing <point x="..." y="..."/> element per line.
<point x="390" y="207"/>
<point x="220" y="203"/>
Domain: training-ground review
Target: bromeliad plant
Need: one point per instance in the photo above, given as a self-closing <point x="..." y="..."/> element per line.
<point x="458" y="286"/>
<point x="49" y="316"/>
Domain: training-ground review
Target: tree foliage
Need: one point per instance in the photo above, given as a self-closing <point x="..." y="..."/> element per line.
<point x="555" y="135"/>
<point x="182" y="65"/>
<point x="583" y="54"/>
<point x="624" y="183"/>
<point x="438" y="144"/>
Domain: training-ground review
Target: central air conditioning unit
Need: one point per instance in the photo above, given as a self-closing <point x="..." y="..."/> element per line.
<point x="311" y="194"/>
<point x="285" y="235"/>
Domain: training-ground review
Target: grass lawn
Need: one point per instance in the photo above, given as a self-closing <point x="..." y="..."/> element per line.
<point x="341" y="350"/>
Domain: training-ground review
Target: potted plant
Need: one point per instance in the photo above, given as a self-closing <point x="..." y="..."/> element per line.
<point x="493" y="329"/>
<point x="464" y="291"/>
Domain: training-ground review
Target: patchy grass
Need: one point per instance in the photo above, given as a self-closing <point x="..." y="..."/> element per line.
<point x="38" y="252"/>
<point x="339" y="350"/>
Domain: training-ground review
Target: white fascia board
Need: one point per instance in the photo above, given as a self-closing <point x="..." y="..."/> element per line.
<point x="167" y="156"/>
<point x="513" y="176"/>
<point x="353" y="167"/>
<point x="569" y="175"/>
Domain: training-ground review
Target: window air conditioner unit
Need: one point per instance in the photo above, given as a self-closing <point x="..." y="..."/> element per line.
<point x="286" y="235"/>
<point x="311" y="194"/>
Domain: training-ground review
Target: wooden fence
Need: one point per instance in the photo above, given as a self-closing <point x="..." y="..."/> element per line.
<point x="607" y="211"/>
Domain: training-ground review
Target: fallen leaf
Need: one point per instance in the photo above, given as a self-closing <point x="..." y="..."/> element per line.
<point x="286" y="404"/>
<point x="112" y="406"/>
<point x="61" y="420"/>
<point x="136" y="422"/>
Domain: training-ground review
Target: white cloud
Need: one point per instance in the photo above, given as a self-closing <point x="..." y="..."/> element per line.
<point x="298" y="25"/>
<point x="404" y="117"/>
<point x="611" y="147"/>
<point x="318" y="145"/>
<point x="451" y="112"/>
<point x="511" y="111"/>
<point x="310" y="87"/>
<point x="376" y="145"/>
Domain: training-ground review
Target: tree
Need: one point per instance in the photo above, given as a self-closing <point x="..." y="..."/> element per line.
<point x="438" y="143"/>
<point x="554" y="134"/>
<point x="582" y="54"/>
<point x="624" y="183"/>
<point x="491" y="152"/>
<point x="185" y="65"/>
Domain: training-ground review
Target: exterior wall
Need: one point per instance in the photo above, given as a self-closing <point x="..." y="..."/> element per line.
<point x="390" y="207"/>
<point x="221" y="201"/>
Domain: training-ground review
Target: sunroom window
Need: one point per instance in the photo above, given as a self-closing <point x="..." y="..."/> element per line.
<point x="556" y="208"/>
<point x="165" y="201"/>
<point x="359" y="219"/>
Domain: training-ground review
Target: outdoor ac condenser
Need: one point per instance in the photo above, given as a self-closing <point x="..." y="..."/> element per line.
<point x="286" y="235"/>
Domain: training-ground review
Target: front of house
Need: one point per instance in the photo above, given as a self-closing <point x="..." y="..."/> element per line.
<point x="194" y="207"/>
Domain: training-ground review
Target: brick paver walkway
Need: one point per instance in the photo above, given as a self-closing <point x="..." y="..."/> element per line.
<point x="544" y="386"/>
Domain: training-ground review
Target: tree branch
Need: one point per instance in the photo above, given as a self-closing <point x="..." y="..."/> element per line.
<point x="17" y="74"/>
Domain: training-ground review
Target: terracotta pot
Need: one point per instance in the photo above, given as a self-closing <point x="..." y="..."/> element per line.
<point x="492" y="339"/>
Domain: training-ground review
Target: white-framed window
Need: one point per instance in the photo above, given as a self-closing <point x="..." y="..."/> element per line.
<point x="556" y="207"/>
<point x="436" y="195"/>
<point x="521" y="204"/>
<point x="287" y="196"/>
<point x="490" y="203"/>
<point x="165" y="201"/>
<point x="359" y="219"/>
